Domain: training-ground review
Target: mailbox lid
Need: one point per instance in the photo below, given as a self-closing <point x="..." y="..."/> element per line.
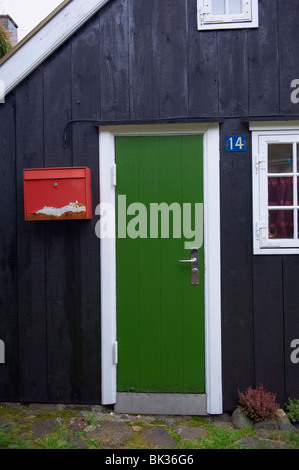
<point x="55" y="173"/>
<point x="57" y="193"/>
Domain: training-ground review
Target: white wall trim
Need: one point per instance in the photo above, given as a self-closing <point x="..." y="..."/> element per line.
<point x="212" y="270"/>
<point x="46" y="40"/>
<point x="212" y="255"/>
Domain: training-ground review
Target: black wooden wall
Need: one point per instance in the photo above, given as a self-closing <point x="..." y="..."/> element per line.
<point x="142" y="61"/>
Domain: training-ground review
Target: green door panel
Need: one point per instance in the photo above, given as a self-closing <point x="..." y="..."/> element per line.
<point x="160" y="315"/>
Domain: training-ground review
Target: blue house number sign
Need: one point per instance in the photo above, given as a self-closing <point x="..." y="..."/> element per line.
<point x="235" y="143"/>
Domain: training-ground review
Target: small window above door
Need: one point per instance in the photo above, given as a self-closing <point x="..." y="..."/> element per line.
<point x="227" y="14"/>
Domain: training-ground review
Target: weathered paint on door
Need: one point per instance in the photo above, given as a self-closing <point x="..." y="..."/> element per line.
<point x="160" y="315"/>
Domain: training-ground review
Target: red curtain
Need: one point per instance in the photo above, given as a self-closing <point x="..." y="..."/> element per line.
<point x="280" y="193"/>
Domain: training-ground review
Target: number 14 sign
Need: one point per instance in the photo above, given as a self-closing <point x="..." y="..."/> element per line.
<point x="235" y="143"/>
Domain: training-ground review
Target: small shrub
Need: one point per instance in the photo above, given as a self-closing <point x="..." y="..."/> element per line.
<point x="293" y="409"/>
<point x="258" y="404"/>
<point x="5" y="45"/>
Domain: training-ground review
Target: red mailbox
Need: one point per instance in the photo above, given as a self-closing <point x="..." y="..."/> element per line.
<point x="57" y="193"/>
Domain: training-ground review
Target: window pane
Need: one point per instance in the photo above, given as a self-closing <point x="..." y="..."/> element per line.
<point x="280" y="191"/>
<point x="281" y="224"/>
<point x="235" y="6"/>
<point x="280" y="158"/>
<point x="218" y="7"/>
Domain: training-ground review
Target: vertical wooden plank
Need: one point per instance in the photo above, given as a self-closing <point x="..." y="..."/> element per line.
<point x="202" y="67"/>
<point x="85" y="147"/>
<point x="150" y="277"/>
<point x="263" y="47"/>
<point x="291" y="308"/>
<point x="86" y="66"/>
<point x="269" y="324"/>
<point x="114" y="46"/>
<point x="236" y="266"/>
<point x="193" y="354"/>
<point x="173" y="57"/>
<point x="233" y="72"/>
<point x="287" y="19"/>
<point x="127" y="251"/>
<point x="9" y="331"/>
<point x="60" y="272"/>
<point x="172" y="272"/>
<point x="143" y="57"/>
<point x="31" y="246"/>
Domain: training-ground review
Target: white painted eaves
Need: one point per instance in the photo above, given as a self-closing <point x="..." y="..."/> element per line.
<point x="45" y="39"/>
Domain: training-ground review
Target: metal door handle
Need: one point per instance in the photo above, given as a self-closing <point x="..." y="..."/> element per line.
<point x="192" y="260"/>
<point x="194" y="266"/>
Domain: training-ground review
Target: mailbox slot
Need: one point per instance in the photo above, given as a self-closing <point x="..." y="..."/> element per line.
<point x="57" y="193"/>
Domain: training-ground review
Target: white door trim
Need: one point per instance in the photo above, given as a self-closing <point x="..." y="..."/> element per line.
<point x="210" y="132"/>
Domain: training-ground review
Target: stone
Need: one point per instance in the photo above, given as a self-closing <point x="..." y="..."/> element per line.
<point x="77" y="442"/>
<point x="240" y="420"/>
<point x="42" y="406"/>
<point x="18" y="406"/>
<point x="256" y="443"/>
<point x="43" y="427"/>
<point x="110" y="433"/>
<point x="224" y="417"/>
<point x="101" y="409"/>
<point x="190" y="432"/>
<point x="90" y="428"/>
<point x="269" y="425"/>
<point x="140" y="419"/>
<point x="159" y="438"/>
<point x="283" y="421"/>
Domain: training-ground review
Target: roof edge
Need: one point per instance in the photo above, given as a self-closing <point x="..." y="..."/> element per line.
<point x="38" y="45"/>
<point x="35" y="30"/>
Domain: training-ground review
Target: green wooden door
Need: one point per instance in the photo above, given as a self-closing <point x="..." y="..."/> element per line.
<point x="160" y="315"/>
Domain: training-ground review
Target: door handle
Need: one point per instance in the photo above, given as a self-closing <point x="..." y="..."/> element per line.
<point x="194" y="266"/>
<point x="192" y="260"/>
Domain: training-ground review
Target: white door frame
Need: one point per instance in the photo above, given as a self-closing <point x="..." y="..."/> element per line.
<point x="213" y="363"/>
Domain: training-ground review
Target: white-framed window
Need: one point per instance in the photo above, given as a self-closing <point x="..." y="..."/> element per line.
<point x="275" y="171"/>
<point x="227" y="14"/>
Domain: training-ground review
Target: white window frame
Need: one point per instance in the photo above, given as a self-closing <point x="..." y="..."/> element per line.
<point x="262" y="135"/>
<point x="207" y="21"/>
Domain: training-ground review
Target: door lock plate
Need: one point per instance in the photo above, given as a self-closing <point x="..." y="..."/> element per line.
<point x="194" y="266"/>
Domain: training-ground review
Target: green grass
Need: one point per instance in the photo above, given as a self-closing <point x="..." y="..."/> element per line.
<point x="9" y="439"/>
<point x="55" y="440"/>
<point x="216" y="438"/>
<point x="291" y="438"/>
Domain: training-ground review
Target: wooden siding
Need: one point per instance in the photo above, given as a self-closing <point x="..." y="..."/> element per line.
<point x="142" y="62"/>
